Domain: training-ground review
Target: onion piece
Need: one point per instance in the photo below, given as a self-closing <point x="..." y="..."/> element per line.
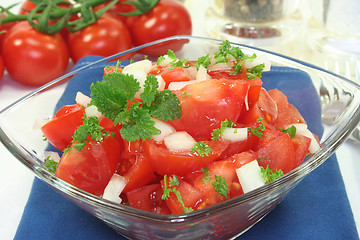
<point x="179" y="141"/>
<point x="234" y="134"/>
<point x="250" y="176"/>
<point x="166" y="61"/>
<point x="82" y="99"/>
<point x="302" y="129"/>
<point x="52" y="155"/>
<point x="139" y="75"/>
<point x="165" y="129"/>
<point x="202" y="74"/>
<point x="114" y="188"/>
<point x="143" y="65"/>
<point x="92" y="110"/>
<point x="174" y="86"/>
<point x="260" y="59"/>
<point x="161" y="82"/>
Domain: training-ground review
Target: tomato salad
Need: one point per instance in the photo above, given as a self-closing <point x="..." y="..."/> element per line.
<point x="177" y="136"/>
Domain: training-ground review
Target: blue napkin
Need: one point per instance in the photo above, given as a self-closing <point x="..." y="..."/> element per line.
<point x="317" y="208"/>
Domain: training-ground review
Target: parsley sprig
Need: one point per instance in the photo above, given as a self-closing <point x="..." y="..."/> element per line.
<point x="51" y="164"/>
<point x="258" y="131"/>
<point x="173" y="182"/>
<point x="269" y="175"/>
<point x="226" y="51"/>
<point x="117" y="91"/>
<point x="90" y="129"/>
<point x="290" y="130"/>
<point x="220" y="186"/>
<point x="201" y="148"/>
<point x="216" y="133"/>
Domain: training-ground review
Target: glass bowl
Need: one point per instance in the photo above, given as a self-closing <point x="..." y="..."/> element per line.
<point x="332" y="121"/>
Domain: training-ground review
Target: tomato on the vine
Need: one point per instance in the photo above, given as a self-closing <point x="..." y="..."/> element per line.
<point x="34" y="58"/>
<point x="105" y="37"/>
<point x="167" y="18"/>
<point x="116" y="10"/>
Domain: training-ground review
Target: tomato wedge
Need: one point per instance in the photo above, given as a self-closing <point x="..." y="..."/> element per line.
<point x="163" y="161"/>
<point x="91" y="168"/>
<point x="60" y="129"/>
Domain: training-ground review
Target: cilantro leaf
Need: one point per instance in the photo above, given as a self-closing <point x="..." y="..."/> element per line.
<point x="290" y="130"/>
<point x="220" y="185"/>
<point x="269" y="175"/>
<point x="202" y="148"/>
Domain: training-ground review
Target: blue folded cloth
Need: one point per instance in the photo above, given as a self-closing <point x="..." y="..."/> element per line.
<point x="317" y="208"/>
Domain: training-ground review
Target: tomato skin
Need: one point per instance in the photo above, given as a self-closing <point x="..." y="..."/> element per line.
<point x="60" y="129"/>
<point x="1" y="68"/>
<point x="148" y="198"/>
<point x="91" y="168"/>
<point x="34" y="58"/>
<point x="4" y="28"/>
<point x="189" y="194"/>
<point x="174" y="75"/>
<point x="276" y="150"/>
<point x="163" y="161"/>
<point x="105" y="37"/>
<point x="116" y="9"/>
<point x="208" y="103"/>
<point x="301" y="148"/>
<point x="167" y="18"/>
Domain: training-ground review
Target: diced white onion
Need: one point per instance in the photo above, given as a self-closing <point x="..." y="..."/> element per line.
<point x="302" y="129"/>
<point x="179" y="141"/>
<point x="250" y="176"/>
<point x="161" y="82"/>
<point x="260" y="59"/>
<point x="143" y="65"/>
<point x="191" y="72"/>
<point x="139" y="75"/>
<point x="52" y="155"/>
<point x="234" y="134"/>
<point x="165" y="128"/>
<point x="202" y="74"/>
<point x="166" y="61"/>
<point x="173" y="86"/>
<point x="114" y="188"/>
<point x="82" y="99"/>
<point x="92" y="110"/>
<point x="39" y="123"/>
<point x="314" y="145"/>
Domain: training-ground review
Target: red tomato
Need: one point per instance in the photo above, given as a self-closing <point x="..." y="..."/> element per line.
<point x="60" y="129"/>
<point x="255" y="84"/>
<point x="138" y="174"/>
<point x="148" y="198"/>
<point x="34" y="58"/>
<point x="1" y="68"/>
<point x="174" y="75"/>
<point x="287" y="113"/>
<point x="301" y="148"/>
<point x="105" y="37"/>
<point x="91" y="168"/>
<point x="163" y="161"/>
<point x="276" y="150"/>
<point x="250" y="143"/>
<point x="207" y="104"/>
<point x="4" y="27"/>
<point x="167" y="18"/>
<point x="190" y="196"/>
<point x="26" y="7"/>
<point x="116" y="10"/>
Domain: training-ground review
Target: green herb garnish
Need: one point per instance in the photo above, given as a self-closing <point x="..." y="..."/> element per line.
<point x="51" y="164"/>
<point x="220" y="185"/>
<point x="258" y="131"/>
<point x="202" y="148"/>
<point x="290" y="130"/>
<point x="216" y="133"/>
<point x="268" y="174"/>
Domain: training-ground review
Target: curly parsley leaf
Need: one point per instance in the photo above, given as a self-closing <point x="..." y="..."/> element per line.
<point x="207" y="177"/>
<point x="220" y="185"/>
<point x="269" y="175"/>
<point x="204" y="60"/>
<point x="258" y="131"/>
<point x="255" y="71"/>
<point x="202" y="148"/>
<point x="174" y="181"/>
<point x="216" y="133"/>
<point x="51" y="164"/>
<point x="290" y="130"/>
